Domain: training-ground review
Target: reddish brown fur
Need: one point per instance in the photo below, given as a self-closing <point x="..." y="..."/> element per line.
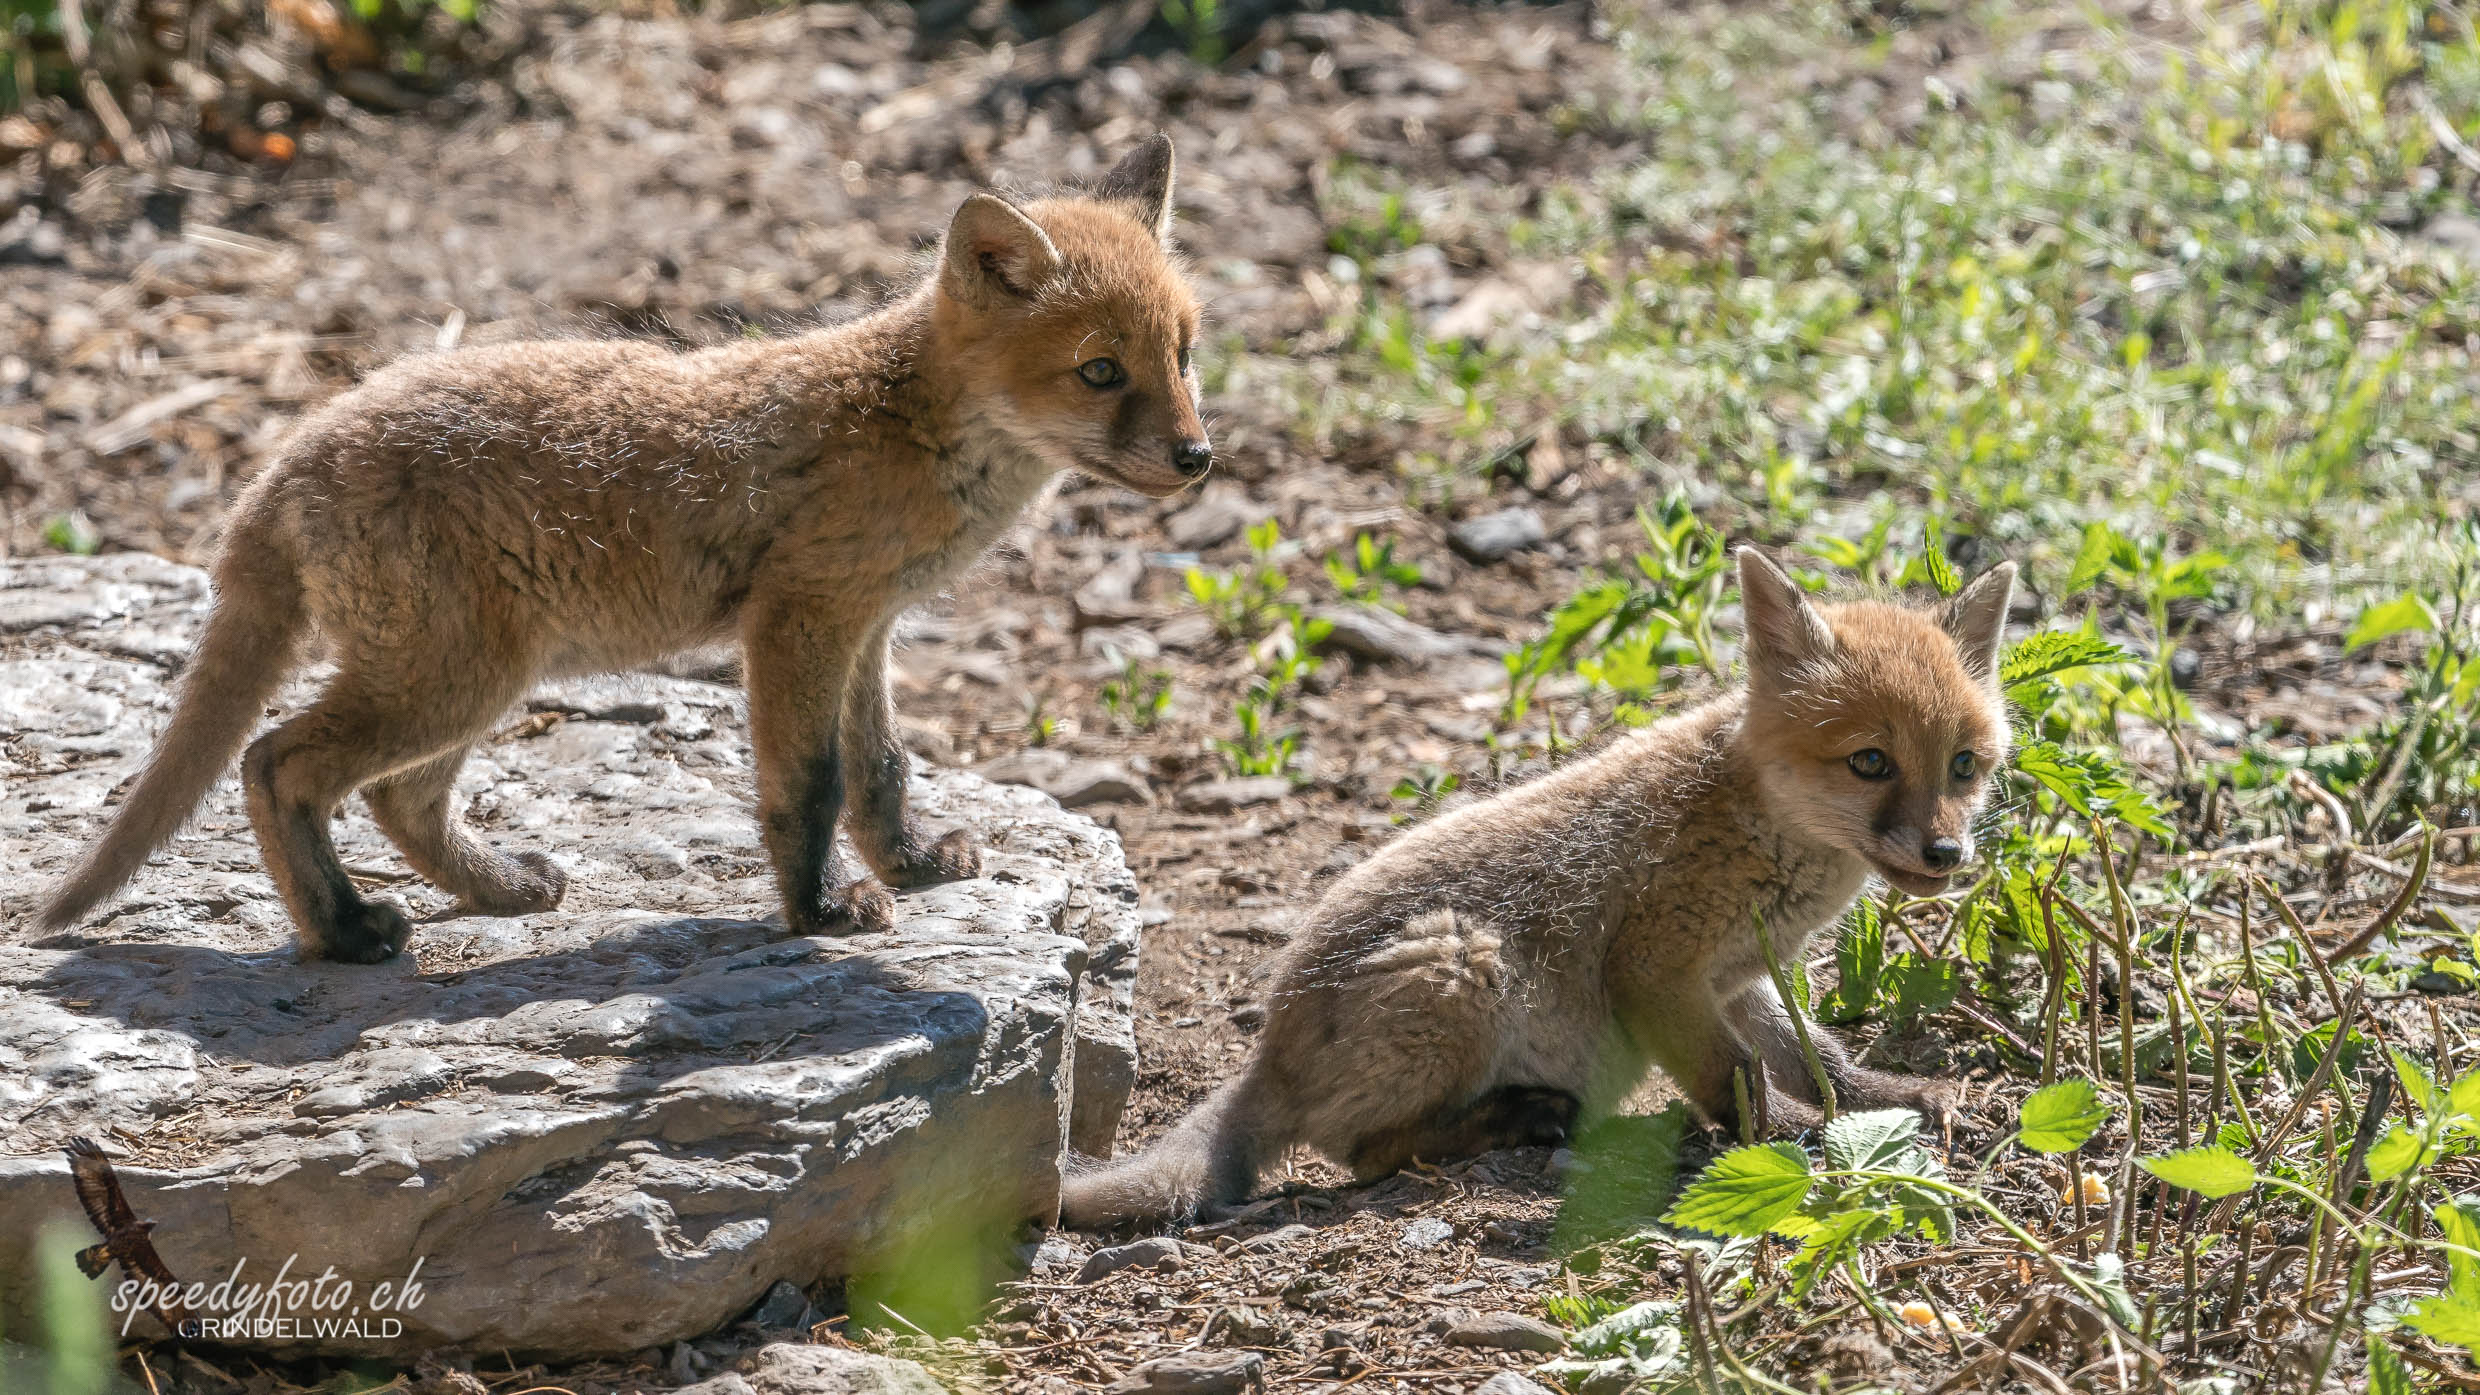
<point x="463" y="525"/>
<point x="1523" y="962"/>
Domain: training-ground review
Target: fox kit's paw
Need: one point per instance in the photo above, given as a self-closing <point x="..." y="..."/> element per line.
<point x="1937" y="1101"/>
<point x="363" y="932"/>
<point x="861" y="907"/>
<point x="869" y="906"/>
<point x="530" y="882"/>
<point x="953" y="858"/>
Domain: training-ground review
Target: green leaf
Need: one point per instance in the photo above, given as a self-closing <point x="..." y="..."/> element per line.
<point x="1745" y="1191"/>
<point x="2093" y="557"/>
<point x="2416" y="1083"/>
<point x="71" y="533"/>
<point x="2459" y="1222"/>
<point x="2386" y="1373"/>
<point x="2040" y="655"/>
<point x="2463" y="1096"/>
<point x="2452" y="1317"/>
<point x="1870" y="1140"/>
<point x="2408" y="613"/>
<point x="2214" y="1172"/>
<point x="2091" y="783"/>
<point x="2393" y="1155"/>
<point x="1829" y="1242"/>
<point x="1626" y="1329"/>
<point x="2059" y="1118"/>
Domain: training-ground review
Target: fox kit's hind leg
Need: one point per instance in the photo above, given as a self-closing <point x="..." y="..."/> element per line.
<point x="877" y="767"/>
<point x="1679" y="1023"/>
<point x="372" y="721"/>
<point x="1392" y="1050"/>
<point x="799" y="665"/>
<point x="1510" y="1116"/>
<point x="1855" y="1086"/>
<point x="417" y="810"/>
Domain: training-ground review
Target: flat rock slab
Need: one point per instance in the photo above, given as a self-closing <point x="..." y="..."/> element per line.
<point x="597" y="1129"/>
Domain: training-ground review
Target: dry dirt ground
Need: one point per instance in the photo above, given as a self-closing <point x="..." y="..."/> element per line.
<point x="692" y="179"/>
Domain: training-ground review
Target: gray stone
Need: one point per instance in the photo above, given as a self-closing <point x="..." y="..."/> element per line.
<point x="1277" y="1239"/>
<point x="1427" y="1233"/>
<point x="599" y="1129"/>
<point x="1224" y="796"/>
<point x="1369" y="632"/>
<point x="1508" y="1383"/>
<point x="1494" y="535"/>
<point x="1506" y="1332"/>
<point x="1220" y="512"/>
<point x="1195" y="1373"/>
<point x="1072" y="780"/>
<point x="2456" y="233"/>
<point x="783" y="1307"/>
<point x="1155" y="1252"/>
<point x="799" y="1368"/>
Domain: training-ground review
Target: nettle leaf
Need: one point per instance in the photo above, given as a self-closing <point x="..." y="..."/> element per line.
<point x="2459" y="1221"/>
<point x="1859" y="958"/>
<point x="1870" y="1141"/>
<point x="2416" y="1084"/>
<point x="1917" y="984"/>
<point x="2038" y="656"/>
<point x="2463" y="1096"/>
<point x="2091" y="784"/>
<point x="1745" y="1192"/>
<point x="1838" y="1237"/>
<point x="2092" y="559"/>
<point x="2452" y="1317"/>
<point x="1626" y="1330"/>
<point x="2386" y="1373"/>
<point x="2393" y="1155"/>
<point x="2214" y="1171"/>
<point x="2409" y="613"/>
<point x="2059" y="1118"/>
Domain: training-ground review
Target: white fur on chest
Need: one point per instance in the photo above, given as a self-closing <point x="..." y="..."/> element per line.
<point x="992" y="487"/>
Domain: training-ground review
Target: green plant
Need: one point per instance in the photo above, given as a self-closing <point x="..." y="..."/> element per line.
<point x="1264" y="746"/>
<point x="1366" y="575"/>
<point x="1040" y="725"/>
<point x="72" y="533"/>
<point x="1621" y="632"/>
<point x="1245" y="603"/>
<point x="1139" y="697"/>
<point x="1424" y="789"/>
<point x="1199" y="24"/>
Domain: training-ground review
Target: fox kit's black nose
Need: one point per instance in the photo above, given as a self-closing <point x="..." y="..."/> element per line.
<point x="1192" y="458"/>
<point x="1942" y="854"/>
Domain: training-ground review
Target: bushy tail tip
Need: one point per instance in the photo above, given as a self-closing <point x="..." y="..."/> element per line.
<point x="1210" y="1158"/>
<point x="250" y="644"/>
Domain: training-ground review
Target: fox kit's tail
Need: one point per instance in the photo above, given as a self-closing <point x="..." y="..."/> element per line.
<point x="250" y="644"/>
<point x="1211" y="1158"/>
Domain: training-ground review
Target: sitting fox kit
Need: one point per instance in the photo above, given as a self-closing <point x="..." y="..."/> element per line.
<point x="463" y="525"/>
<point x="1495" y="975"/>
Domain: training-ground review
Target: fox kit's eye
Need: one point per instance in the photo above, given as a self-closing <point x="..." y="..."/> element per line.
<point x="1184" y="350"/>
<point x="1870" y="764"/>
<point x="1102" y="372"/>
<point x="1965" y="765"/>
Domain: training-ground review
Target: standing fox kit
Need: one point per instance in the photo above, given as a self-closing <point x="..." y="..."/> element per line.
<point x="1490" y="978"/>
<point x="463" y="525"/>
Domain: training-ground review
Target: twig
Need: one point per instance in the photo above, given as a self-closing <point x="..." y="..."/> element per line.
<point x="2395" y="909"/>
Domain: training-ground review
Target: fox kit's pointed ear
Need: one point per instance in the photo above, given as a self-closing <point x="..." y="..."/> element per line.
<point x="1976" y="618"/>
<point x="1143" y="182"/>
<point x="1785" y="632"/>
<point x="993" y="251"/>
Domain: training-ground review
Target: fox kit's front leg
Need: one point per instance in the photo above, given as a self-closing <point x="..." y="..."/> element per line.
<point x="799" y="662"/>
<point x="876" y="765"/>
